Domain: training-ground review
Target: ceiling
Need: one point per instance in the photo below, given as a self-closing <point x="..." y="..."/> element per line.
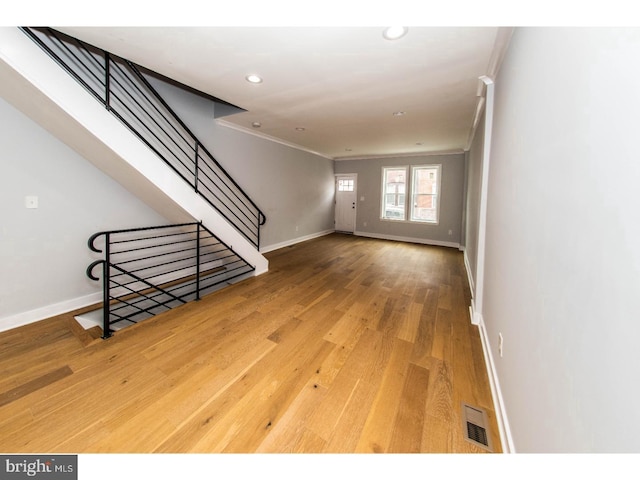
<point x="342" y="85"/>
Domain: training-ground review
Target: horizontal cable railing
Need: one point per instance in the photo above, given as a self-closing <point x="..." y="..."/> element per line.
<point x="121" y="87"/>
<point x="146" y="271"/>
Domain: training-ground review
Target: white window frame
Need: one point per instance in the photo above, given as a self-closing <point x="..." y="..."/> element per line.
<point x="349" y="186"/>
<point x="437" y="195"/>
<point x="408" y="195"/>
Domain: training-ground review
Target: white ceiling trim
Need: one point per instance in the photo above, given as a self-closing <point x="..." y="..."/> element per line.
<point x="503" y="37"/>
<point x="457" y="151"/>
<point x="476" y="121"/>
<point x="264" y="136"/>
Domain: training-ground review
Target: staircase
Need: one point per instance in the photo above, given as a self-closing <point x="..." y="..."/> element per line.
<point x="147" y="271"/>
<point x="103" y="107"/>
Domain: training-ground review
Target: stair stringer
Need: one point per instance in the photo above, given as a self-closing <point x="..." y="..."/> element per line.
<point x="37" y="86"/>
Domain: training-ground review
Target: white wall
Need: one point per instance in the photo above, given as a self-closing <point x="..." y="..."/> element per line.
<point x="43" y="251"/>
<point x="562" y="270"/>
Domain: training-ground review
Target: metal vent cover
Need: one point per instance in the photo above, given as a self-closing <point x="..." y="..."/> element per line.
<point x="475" y="426"/>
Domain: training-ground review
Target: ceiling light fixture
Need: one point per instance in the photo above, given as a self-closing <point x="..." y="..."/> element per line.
<point x="253" y="78"/>
<point x="300" y="129"/>
<point x="394" y="33"/>
<point x="256" y="124"/>
<point x="398" y="114"/>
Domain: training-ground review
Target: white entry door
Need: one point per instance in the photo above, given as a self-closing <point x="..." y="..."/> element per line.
<point x="346" y="203"/>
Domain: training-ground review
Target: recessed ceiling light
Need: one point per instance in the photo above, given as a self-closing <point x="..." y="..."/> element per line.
<point x="300" y="129"/>
<point x="394" y="33"/>
<point x="256" y="124"/>
<point x="398" y="114"/>
<point x="253" y="78"/>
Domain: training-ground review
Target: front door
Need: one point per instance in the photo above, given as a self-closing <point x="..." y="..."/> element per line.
<point x="346" y="203"/>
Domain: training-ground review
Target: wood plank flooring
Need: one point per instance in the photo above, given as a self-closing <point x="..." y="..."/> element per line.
<point x="346" y="345"/>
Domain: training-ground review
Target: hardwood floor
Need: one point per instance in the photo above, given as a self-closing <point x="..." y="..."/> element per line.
<point x="347" y="344"/>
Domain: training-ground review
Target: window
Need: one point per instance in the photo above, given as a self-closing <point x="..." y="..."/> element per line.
<point x="424" y="193"/>
<point x="394" y="187"/>
<point x="422" y="188"/>
<point x="345" y="185"/>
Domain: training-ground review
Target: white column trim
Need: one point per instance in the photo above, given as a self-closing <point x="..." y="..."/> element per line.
<point x="484" y="189"/>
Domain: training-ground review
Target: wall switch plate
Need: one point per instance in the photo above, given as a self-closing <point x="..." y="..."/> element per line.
<point x="31" y="201"/>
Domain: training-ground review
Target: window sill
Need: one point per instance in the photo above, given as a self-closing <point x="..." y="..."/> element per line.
<point x="412" y="222"/>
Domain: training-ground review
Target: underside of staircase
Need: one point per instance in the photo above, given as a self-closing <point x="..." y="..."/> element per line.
<point x="38" y="87"/>
<point x="41" y="89"/>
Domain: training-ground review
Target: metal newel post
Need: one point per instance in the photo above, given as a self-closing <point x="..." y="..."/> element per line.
<point x="106" y="280"/>
<point x="107" y="80"/>
<point x="198" y="262"/>
<point x="197" y="168"/>
<point x="258" y="232"/>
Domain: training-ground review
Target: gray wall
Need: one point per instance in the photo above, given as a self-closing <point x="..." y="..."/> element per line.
<point x="43" y="251"/>
<point x="369" y="186"/>
<point x="562" y="260"/>
<point x="293" y="188"/>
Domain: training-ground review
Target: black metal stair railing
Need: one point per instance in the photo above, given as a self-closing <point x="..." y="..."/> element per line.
<point x="147" y="271"/>
<point x="121" y="87"/>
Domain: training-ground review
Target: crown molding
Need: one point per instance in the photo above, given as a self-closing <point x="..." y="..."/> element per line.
<point x="456" y="151"/>
<point x="500" y="46"/>
<point x="264" y="136"/>
<point x="503" y="37"/>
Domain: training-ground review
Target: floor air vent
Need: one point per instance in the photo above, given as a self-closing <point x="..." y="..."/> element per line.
<point x="476" y="427"/>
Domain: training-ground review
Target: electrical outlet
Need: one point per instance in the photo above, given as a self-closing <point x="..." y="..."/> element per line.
<point x="500" y="343"/>
<point x="450" y="232"/>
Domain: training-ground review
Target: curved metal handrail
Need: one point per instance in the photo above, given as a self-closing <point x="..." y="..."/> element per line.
<point x="176" y="262"/>
<point x="92" y="238"/>
<point x="90" y="268"/>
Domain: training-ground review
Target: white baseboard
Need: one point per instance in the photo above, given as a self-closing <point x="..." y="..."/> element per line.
<point x="424" y="241"/>
<point x="48" y="311"/>
<point x="24" y="318"/>
<point x="498" y="402"/>
<point x="293" y="241"/>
